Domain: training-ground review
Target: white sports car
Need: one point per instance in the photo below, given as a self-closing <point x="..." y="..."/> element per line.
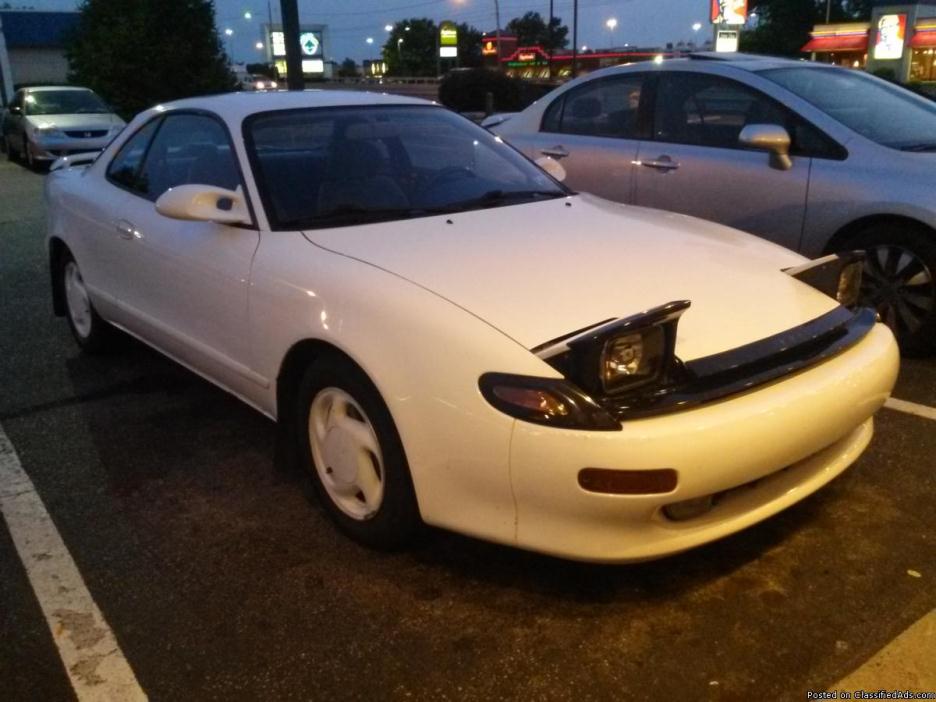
<point x="451" y="337"/>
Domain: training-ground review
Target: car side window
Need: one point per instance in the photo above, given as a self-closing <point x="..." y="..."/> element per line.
<point x="188" y="149"/>
<point x="706" y="110"/>
<point x="125" y="166"/>
<point x="607" y="107"/>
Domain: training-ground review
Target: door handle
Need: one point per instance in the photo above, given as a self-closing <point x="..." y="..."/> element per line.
<point x="555" y="152"/>
<point x="126" y="230"/>
<point x="663" y="163"/>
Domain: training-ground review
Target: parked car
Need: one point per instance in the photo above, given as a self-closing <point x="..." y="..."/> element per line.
<point x="258" y="82"/>
<point x="43" y="123"/>
<point x="449" y="336"/>
<point x="813" y="157"/>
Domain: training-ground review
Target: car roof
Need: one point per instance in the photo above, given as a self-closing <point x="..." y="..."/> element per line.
<point x="746" y="62"/>
<point x="44" y="88"/>
<point x="237" y="106"/>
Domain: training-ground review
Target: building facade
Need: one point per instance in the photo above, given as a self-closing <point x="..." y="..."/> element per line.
<point x="900" y="40"/>
<point x="32" y="48"/>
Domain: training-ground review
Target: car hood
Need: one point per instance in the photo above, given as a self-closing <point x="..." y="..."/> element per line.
<point x="538" y="271"/>
<point x="97" y="120"/>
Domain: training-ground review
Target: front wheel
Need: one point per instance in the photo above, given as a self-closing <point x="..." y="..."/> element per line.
<point x="349" y="441"/>
<point x="899" y="281"/>
<point x="91" y="332"/>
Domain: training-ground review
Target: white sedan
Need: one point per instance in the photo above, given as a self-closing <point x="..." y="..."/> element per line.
<point x="449" y="336"/>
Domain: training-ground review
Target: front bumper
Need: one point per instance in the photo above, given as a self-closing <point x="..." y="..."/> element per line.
<point x="53" y="148"/>
<point x="782" y="441"/>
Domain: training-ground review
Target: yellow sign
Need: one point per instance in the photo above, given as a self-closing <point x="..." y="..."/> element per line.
<point x="448" y="34"/>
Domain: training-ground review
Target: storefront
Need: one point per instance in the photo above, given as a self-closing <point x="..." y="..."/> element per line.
<point x="900" y="39"/>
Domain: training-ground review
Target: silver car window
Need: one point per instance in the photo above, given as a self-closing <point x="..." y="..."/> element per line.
<point x="884" y="113"/>
<point x="606" y="107"/>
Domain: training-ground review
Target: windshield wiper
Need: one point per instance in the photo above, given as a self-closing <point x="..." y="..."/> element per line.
<point x="923" y="146"/>
<point x="492" y="198"/>
<point x="353" y="214"/>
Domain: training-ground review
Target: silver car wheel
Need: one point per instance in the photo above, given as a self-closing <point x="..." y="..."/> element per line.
<point x="346" y="453"/>
<point x="900" y="286"/>
<point x="78" y="301"/>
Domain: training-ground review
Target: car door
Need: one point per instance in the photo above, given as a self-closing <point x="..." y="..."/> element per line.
<point x="188" y="280"/>
<point x="694" y="164"/>
<point x="593" y="130"/>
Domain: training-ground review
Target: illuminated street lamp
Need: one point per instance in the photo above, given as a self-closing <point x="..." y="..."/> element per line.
<point x="388" y="27"/>
<point x="611" y="24"/>
<point x="259" y="46"/>
<point x="229" y="32"/>
<point x="369" y="40"/>
<point x="696" y="26"/>
<point x="248" y="15"/>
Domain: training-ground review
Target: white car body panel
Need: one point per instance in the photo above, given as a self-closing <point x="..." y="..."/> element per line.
<point x="582" y="266"/>
<point x="425" y="308"/>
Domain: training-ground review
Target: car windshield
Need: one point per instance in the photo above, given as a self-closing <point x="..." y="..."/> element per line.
<point x="64" y="102"/>
<point x="331" y="167"/>
<point x="880" y="111"/>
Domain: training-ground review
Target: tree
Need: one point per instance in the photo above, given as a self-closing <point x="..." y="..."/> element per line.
<point x="469" y="46"/>
<point x="410" y="49"/>
<point x="348" y="69"/>
<point x="137" y="54"/>
<point x="783" y="26"/>
<point x="532" y="30"/>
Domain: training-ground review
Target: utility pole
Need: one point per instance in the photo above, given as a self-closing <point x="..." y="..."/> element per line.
<point x="290" y="12"/>
<point x="551" y="39"/>
<point x="497" y="18"/>
<point x="574" y="38"/>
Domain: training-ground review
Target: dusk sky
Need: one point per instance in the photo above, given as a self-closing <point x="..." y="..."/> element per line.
<point x="350" y="22"/>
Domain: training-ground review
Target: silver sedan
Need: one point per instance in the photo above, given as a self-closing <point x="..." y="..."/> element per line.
<point x="44" y="123"/>
<point x="813" y="157"/>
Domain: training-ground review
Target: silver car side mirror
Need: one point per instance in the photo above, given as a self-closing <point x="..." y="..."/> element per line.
<point x="204" y="203"/>
<point x="771" y="138"/>
<point x="552" y="167"/>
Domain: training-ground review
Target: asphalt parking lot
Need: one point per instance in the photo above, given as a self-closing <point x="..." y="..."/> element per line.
<point x="221" y="578"/>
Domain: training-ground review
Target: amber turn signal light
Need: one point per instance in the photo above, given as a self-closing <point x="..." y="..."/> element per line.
<point x="628" y="482"/>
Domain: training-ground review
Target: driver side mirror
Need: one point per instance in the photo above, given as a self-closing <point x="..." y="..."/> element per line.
<point x="552" y="167"/>
<point x="204" y="203"/>
<point x="771" y="138"/>
<point x="16" y="110"/>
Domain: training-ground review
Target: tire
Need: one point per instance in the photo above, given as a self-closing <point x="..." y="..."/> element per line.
<point x="91" y="332"/>
<point x="347" y="439"/>
<point x="27" y="155"/>
<point x="899" y="281"/>
<point x="9" y="149"/>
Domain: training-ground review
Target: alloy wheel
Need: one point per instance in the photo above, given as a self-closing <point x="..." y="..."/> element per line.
<point x="900" y="286"/>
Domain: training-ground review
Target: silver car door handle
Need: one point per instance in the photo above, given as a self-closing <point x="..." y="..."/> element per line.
<point x="125" y="229"/>
<point x="555" y="152"/>
<point x="664" y="163"/>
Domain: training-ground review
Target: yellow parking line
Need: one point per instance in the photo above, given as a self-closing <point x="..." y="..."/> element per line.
<point x="96" y="666"/>
<point x="906" y="663"/>
<point x="911" y="408"/>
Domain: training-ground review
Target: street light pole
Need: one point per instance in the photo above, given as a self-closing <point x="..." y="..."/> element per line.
<point x="551" y="39"/>
<point x="497" y="19"/>
<point x="574" y="38"/>
<point x="290" y="12"/>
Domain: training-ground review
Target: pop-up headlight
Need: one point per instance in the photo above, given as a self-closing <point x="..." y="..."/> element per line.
<point x="836" y="275"/>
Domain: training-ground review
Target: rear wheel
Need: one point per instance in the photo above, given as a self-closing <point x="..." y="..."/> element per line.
<point x="91" y="332"/>
<point x="899" y="281"/>
<point x="27" y="154"/>
<point x="347" y="438"/>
